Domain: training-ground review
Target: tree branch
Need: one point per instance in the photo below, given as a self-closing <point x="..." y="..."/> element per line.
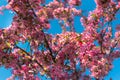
<point x="31" y="57"/>
<point x="45" y="39"/>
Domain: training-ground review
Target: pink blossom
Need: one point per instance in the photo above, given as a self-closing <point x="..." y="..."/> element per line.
<point x="75" y="2"/>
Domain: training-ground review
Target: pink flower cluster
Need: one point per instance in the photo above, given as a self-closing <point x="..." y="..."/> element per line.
<point x="59" y="56"/>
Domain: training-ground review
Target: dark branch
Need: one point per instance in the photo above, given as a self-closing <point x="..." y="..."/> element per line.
<point x="45" y="39"/>
<point x="31" y="57"/>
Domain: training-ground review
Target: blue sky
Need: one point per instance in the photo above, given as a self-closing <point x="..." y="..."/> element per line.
<point x="87" y="5"/>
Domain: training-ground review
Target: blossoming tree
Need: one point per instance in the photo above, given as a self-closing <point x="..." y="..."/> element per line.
<point x="59" y="56"/>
